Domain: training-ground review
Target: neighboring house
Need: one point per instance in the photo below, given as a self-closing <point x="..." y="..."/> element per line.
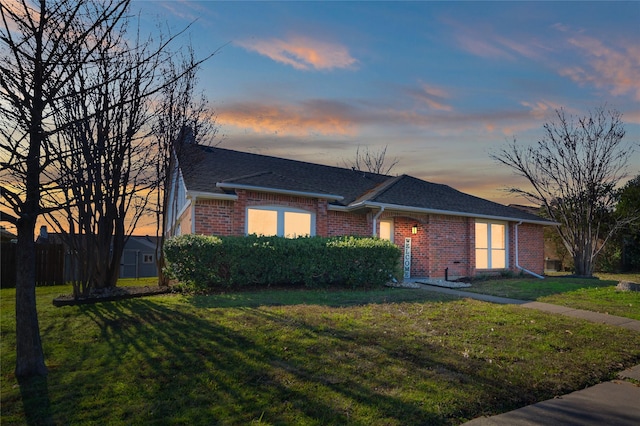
<point x="6" y="236"/>
<point x="442" y="231"/>
<point x="138" y="257"/>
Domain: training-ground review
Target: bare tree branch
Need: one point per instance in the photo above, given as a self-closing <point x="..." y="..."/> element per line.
<point x="36" y="42"/>
<point x="573" y="172"/>
<point x="371" y="161"/>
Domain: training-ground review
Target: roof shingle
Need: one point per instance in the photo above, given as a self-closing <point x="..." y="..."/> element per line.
<point x="204" y="167"/>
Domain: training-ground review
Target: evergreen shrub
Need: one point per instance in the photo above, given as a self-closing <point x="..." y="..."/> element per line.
<point x="203" y="261"/>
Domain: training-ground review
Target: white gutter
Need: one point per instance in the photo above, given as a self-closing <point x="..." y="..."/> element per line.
<point x="375" y="221"/>
<point x="210" y="196"/>
<point x="281" y="191"/>
<point x="402" y="208"/>
<point x="517" y="264"/>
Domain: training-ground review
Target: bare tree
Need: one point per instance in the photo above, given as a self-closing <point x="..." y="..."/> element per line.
<point x="106" y="174"/>
<point x="574" y="171"/>
<point x="112" y="129"/>
<point x="371" y="161"/>
<point x="181" y="117"/>
<point x="37" y="61"/>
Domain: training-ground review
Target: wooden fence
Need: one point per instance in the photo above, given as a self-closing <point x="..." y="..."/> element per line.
<point x="49" y="264"/>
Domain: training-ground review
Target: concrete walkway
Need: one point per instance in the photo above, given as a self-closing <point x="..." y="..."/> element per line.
<point x="610" y="403"/>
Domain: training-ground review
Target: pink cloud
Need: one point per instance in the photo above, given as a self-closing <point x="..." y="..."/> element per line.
<point x="434" y="97"/>
<point x="616" y="70"/>
<point x="541" y="109"/>
<point x="292" y="120"/>
<point x="632" y="116"/>
<point x="302" y="53"/>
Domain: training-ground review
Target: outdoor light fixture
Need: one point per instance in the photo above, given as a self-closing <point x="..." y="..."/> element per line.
<point x="414" y="229"/>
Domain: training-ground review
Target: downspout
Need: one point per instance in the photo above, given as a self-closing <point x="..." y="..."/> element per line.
<point x="192" y="200"/>
<point x="517" y="264"/>
<point x="375" y="221"/>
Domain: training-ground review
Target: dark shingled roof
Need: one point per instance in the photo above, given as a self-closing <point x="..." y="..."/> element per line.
<point x="204" y="167"/>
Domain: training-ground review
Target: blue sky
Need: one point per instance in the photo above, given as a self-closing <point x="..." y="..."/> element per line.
<point x="442" y="84"/>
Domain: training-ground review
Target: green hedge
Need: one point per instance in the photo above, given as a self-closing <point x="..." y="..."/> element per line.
<point x="205" y="261"/>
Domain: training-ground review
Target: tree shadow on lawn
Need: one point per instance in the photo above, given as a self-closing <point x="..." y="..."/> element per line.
<point x="36" y="402"/>
<point x="155" y="363"/>
<point x="322" y="297"/>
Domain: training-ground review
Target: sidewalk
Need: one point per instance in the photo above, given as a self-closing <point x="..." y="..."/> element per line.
<point x="610" y="403"/>
<point x="615" y="403"/>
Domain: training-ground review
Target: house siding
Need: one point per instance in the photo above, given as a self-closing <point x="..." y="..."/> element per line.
<point x="183" y="224"/>
<point x="177" y="193"/>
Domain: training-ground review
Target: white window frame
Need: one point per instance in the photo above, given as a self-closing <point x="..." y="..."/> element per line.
<point x="489" y="247"/>
<point x="390" y="221"/>
<point x="147" y="258"/>
<point x="281" y="210"/>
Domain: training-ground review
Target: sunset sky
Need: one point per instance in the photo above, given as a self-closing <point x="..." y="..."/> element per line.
<point x="443" y="84"/>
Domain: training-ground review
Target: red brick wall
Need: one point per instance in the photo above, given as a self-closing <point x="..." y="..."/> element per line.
<point x="342" y="223"/>
<point x="225" y="217"/>
<point x="450" y="240"/>
<point x="441" y="242"/>
<point x="214" y="217"/>
<point x="530" y="247"/>
<point x="419" y="242"/>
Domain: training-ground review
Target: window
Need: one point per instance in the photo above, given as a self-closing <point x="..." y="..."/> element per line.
<point x="491" y="245"/>
<point x="386" y="229"/>
<point x="147" y="258"/>
<point x="280" y="221"/>
<point x="297" y="224"/>
<point x="262" y="222"/>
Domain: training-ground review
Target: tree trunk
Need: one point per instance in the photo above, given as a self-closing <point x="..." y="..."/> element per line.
<point x="29" y="354"/>
<point x="582" y="264"/>
<point x="163" y="279"/>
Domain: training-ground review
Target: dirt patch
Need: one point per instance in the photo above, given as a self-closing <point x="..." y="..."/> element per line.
<point x="109" y="295"/>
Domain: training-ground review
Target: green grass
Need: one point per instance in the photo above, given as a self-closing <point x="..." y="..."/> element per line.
<point x="386" y="357"/>
<point x="598" y="294"/>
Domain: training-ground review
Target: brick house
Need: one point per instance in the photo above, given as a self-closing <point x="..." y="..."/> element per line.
<point x="442" y="231"/>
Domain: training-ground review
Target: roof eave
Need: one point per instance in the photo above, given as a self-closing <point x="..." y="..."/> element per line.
<point x="410" y="209"/>
<point x="204" y="195"/>
<point x="305" y="194"/>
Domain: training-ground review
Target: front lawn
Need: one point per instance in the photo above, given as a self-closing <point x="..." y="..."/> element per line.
<point x="598" y="294"/>
<point x="389" y="357"/>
